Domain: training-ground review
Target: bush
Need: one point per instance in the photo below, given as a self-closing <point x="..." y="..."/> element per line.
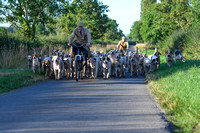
<point x="192" y="43"/>
<point x="173" y="41"/>
<point x="104" y="41"/>
<point x="189" y="42"/>
<point x="15" y="41"/>
<point x="14" y="47"/>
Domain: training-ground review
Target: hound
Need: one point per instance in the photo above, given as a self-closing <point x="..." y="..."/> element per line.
<point x="30" y="62"/>
<point x="146" y="64"/>
<point x="123" y="61"/>
<point x="134" y="65"/>
<point x="35" y="63"/>
<point x="112" y="59"/>
<point x="127" y="60"/>
<point x="169" y="58"/>
<point x="156" y="53"/>
<point x="68" y="66"/>
<point x="154" y="63"/>
<point x="106" y="67"/>
<point x="57" y="67"/>
<point x="94" y="64"/>
<point x="88" y="72"/>
<point x="178" y="56"/>
<point x="118" y="65"/>
<point x="47" y="66"/>
<point x="140" y="64"/>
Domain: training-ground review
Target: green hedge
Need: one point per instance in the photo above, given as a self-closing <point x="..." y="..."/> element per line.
<point x="188" y="40"/>
<point x="15" y="40"/>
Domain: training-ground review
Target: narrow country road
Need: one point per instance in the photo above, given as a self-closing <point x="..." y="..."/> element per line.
<point x="90" y="106"/>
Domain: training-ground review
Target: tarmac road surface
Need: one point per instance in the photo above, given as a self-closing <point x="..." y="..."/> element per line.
<point x="89" y="106"/>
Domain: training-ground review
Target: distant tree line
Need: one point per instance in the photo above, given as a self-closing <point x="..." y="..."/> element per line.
<point x="33" y="18"/>
<point x="159" y="20"/>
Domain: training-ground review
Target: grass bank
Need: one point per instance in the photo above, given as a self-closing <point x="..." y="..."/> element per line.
<point x="177" y="90"/>
<point x="11" y="79"/>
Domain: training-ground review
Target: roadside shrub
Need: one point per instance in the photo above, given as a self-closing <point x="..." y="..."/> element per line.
<point x="173" y="41"/>
<point x="188" y="41"/>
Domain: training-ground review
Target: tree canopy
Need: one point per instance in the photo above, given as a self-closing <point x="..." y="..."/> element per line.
<point x="26" y="14"/>
<point x="135" y="31"/>
<point x="46" y="17"/>
<point x="159" y="20"/>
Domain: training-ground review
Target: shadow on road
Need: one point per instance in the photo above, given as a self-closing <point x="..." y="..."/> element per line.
<point x="89" y="106"/>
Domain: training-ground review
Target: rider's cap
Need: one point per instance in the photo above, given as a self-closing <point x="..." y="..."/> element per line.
<point x="80" y="24"/>
<point x="123" y="37"/>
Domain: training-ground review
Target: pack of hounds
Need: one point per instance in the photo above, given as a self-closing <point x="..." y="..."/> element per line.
<point x="115" y="63"/>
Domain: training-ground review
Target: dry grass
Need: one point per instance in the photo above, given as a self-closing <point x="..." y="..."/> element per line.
<point x="102" y="48"/>
<point x="141" y="45"/>
<point x="13" y="58"/>
<point x="18" y="58"/>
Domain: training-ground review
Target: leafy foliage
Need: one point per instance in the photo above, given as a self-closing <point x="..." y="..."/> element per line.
<point x="135" y="31"/>
<point x="145" y="4"/>
<point x="160" y="20"/>
<point x="187" y="39"/>
<point x="173" y="24"/>
<point x="33" y="18"/>
<point x="93" y="14"/>
<point x="112" y="32"/>
<point x="26" y="14"/>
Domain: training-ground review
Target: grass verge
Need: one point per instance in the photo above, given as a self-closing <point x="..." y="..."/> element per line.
<point x="177" y="90"/>
<point x="11" y="79"/>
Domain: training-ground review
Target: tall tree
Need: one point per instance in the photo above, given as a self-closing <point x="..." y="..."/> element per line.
<point x="135" y="31"/>
<point x="26" y="14"/>
<point x="161" y="19"/>
<point x="112" y="32"/>
<point x="91" y="12"/>
<point x="145" y="4"/>
<point x="195" y="4"/>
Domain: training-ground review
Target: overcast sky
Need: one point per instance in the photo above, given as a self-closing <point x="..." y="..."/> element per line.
<point x="126" y="12"/>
